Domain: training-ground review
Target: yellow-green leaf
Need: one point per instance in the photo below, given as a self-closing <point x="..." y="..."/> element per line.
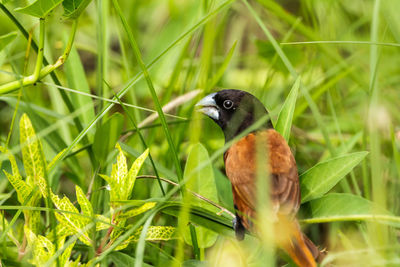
<point x="32" y="153"/>
<point x="42" y="248"/>
<point x="55" y="159"/>
<point x="85" y="204"/>
<point x="134" y="212"/>
<point x="13" y="162"/>
<point x="23" y="190"/>
<point x="100" y="225"/>
<point x="71" y="219"/>
<point x="154" y="233"/>
<point x="133" y="172"/>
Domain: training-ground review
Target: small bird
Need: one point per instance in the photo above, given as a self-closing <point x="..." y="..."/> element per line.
<point x="235" y="111"/>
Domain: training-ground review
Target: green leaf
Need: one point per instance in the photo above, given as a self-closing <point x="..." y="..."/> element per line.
<point x="202" y="182"/>
<point x="123" y="260"/>
<point x="284" y="122"/>
<point x="348" y="207"/>
<point x="7" y="39"/>
<point x="39" y="8"/>
<point x="74" y="8"/>
<point x="32" y="153"/>
<point x="85" y="204"/>
<point x="321" y="178"/>
<point x="106" y="136"/>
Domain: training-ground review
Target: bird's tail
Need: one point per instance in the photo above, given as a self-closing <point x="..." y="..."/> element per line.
<point x="301" y="249"/>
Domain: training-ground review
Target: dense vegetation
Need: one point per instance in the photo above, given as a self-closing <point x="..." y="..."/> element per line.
<point x="97" y="104"/>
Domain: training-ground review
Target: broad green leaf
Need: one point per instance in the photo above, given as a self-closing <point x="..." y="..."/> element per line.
<point x="154" y="233"/>
<point x="7" y="39"/>
<point x="85" y="204"/>
<point x="76" y="78"/>
<point x="202" y="182"/>
<point x="74" y="8"/>
<point x="123" y="260"/>
<point x="348" y="207"/>
<point x="39" y="8"/>
<point x="284" y="122"/>
<point x="134" y="212"/>
<point x="32" y="153"/>
<point x="321" y="178"/>
<point x="106" y="136"/>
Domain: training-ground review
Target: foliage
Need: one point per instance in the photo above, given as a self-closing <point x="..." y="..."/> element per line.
<point x="91" y="76"/>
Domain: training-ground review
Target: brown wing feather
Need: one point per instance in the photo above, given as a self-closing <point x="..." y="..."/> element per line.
<point x="240" y="168"/>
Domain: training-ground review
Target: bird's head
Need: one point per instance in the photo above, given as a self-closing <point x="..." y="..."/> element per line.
<point x="233" y="110"/>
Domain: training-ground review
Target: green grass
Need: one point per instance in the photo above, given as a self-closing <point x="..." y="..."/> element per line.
<point x="75" y="70"/>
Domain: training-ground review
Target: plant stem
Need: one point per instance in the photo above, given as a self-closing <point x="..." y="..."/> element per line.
<point x="39" y="59"/>
<point x="29" y="80"/>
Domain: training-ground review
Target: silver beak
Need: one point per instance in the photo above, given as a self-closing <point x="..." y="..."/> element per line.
<point x="208" y="106"/>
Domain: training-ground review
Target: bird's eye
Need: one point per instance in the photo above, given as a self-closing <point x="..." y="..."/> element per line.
<point x="228" y="104"/>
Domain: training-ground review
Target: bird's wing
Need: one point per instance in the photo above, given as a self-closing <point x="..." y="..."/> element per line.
<point x="240" y="165"/>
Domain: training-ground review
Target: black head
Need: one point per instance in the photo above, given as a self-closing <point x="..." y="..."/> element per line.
<point x="233" y="110"/>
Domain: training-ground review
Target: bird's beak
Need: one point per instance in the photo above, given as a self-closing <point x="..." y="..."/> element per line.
<point x="208" y="106"/>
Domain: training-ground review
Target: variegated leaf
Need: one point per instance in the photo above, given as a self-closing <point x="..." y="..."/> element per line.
<point x="22" y="188"/>
<point x="63" y="259"/>
<point x="54" y="160"/>
<point x="134" y="212"/>
<point x="133" y="172"/>
<point x="42" y="248"/>
<point x="154" y="233"/>
<point x="100" y="225"/>
<point x="71" y="219"/>
<point x="32" y="153"/>
<point x="118" y="175"/>
<point x="85" y="204"/>
<point x="11" y="158"/>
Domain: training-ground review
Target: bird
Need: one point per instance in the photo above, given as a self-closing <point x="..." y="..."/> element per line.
<point x="235" y="111"/>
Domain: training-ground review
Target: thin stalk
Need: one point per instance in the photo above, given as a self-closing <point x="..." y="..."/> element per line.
<point x="39" y="59"/>
<point x="12" y="86"/>
<point x="146" y="74"/>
